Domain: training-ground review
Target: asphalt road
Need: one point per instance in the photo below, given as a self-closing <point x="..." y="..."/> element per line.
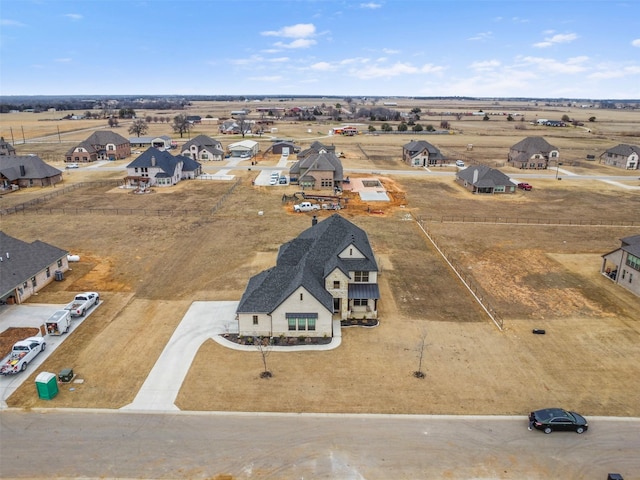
<point x="99" y="444"/>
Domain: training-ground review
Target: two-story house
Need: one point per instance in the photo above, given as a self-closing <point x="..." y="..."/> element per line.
<point x="622" y="265"/>
<point x="622" y="156"/>
<point x="318" y="170"/>
<point x="159" y="168"/>
<point x="100" y="145"/>
<point x="203" y="148"/>
<point x="533" y="153"/>
<point x="421" y="154"/>
<point x="327" y="273"/>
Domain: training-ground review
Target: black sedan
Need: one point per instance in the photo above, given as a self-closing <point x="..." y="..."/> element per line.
<point x="550" y="419"/>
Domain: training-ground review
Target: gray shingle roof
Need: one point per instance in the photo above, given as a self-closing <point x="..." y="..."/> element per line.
<point x="487" y="177"/>
<point x="315" y="147"/>
<point x="163" y="160"/>
<point x="25" y="260"/>
<point x="188" y="163"/>
<point x="325" y="162"/>
<point x="100" y="139"/>
<point x="532" y="145"/>
<point x="201" y="141"/>
<point x="306" y="261"/>
<point x="624" y="150"/>
<point x="33" y="165"/>
<point x="415" y="147"/>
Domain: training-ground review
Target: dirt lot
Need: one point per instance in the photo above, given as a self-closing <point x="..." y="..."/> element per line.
<point x="150" y="268"/>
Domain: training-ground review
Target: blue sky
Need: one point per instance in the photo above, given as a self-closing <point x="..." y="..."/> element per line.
<point x="484" y="48"/>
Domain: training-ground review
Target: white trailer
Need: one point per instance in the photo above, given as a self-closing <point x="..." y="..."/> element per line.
<point x="58" y="323"/>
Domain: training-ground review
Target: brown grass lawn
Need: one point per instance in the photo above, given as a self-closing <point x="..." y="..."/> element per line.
<point x="150" y="268"/>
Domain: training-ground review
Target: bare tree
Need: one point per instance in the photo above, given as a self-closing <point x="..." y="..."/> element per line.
<point x="113" y="122"/>
<point x="181" y="125"/>
<point x="243" y="124"/>
<point x="420" y="348"/>
<point x="263" y="345"/>
<point x="139" y="127"/>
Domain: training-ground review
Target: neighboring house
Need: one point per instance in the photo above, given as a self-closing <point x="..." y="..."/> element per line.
<point x="155" y="168"/>
<point x="6" y="148"/>
<point x="194" y="119"/>
<point x="482" y="179"/>
<point x="532" y="153"/>
<point x="101" y="145"/>
<point x="25" y="268"/>
<point x="623" y="264"/>
<point x="231" y="127"/>
<point x="314" y="148"/>
<point x="161" y="142"/>
<point x="327" y="273"/>
<point x="622" y="156"/>
<point x="421" y="154"/>
<point x="27" y="171"/>
<point x="203" y="148"/>
<point x="245" y="147"/>
<point x="318" y="171"/>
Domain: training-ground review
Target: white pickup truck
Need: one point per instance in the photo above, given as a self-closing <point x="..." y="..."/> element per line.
<point x="306" y="207"/>
<point x="82" y="303"/>
<point x="21" y="354"/>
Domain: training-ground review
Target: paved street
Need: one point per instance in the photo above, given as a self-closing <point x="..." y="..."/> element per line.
<point x="74" y="444"/>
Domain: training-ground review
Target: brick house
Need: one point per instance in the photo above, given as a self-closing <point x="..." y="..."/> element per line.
<point x="532" y="153"/>
<point x="622" y="156"/>
<point x="101" y="145"/>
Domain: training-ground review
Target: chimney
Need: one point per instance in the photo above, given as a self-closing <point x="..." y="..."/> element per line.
<point x="314" y="220"/>
<point x="153" y="161"/>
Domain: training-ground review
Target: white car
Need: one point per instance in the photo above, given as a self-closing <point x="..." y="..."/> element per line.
<point x="459" y="163"/>
<point x="72" y="165"/>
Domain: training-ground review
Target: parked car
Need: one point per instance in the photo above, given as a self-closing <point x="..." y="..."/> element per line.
<point x="459" y="163"/>
<point x="525" y="186"/>
<point x="282" y="180"/>
<point x="551" y="419"/>
<point x="72" y="165"/>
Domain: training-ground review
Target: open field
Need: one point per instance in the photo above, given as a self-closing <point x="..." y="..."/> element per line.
<point x="149" y="269"/>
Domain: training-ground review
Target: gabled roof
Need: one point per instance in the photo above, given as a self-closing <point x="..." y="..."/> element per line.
<point x="201" y="141"/>
<point x="486" y="176"/>
<point x="416" y="147"/>
<point x="188" y="163"/>
<point x="316" y="147"/>
<point x="324" y="161"/>
<point x="33" y="165"/>
<point x="305" y="262"/>
<point x="631" y="245"/>
<point x="532" y="145"/>
<point x="249" y="144"/>
<point x="624" y="150"/>
<point x="104" y="137"/>
<point x="25" y="260"/>
<point x="163" y="160"/>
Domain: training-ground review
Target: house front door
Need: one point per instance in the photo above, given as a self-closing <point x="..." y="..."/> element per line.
<point x="336" y="305"/>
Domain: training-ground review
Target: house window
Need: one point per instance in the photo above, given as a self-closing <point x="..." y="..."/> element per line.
<point x="630" y="277"/>
<point x="77" y="159"/>
<point x="326" y="182"/>
<point x="360" y="302"/>
<point x="360" y="277"/>
<point x="24" y="285"/>
<point x="554" y="154"/>
<point x="255" y="319"/>
<point x="499" y="189"/>
<point x="48" y="272"/>
<point x="33" y="281"/>
<point x="336" y="284"/>
<point x="302" y="321"/>
<point x="59" y="262"/>
<point x="532" y="165"/>
<point x="540" y="165"/>
<point x="633" y="261"/>
<point x="301" y="297"/>
<point x="205" y="156"/>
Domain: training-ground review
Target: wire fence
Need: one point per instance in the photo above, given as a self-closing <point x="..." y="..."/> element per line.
<point x="530" y="221"/>
<point x="37" y="206"/>
<point x="478" y="293"/>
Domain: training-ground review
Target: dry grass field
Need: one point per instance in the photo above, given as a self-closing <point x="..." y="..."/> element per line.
<point x="150" y="268"/>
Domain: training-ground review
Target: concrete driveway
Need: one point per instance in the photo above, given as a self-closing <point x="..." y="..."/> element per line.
<point x="25" y="316"/>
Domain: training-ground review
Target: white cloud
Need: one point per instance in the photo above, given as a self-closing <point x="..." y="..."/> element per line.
<point x="322" y="66"/>
<point x="481" y="36"/>
<point x="300" y="30"/>
<point x="609" y="71"/>
<point x="299" y="43"/>
<point x="370" y="5"/>
<point x="73" y="16"/>
<point x="279" y="59"/>
<point x="390" y="51"/>
<point x="273" y="78"/>
<point x="555" y="39"/>
<point x="5" y="22"/>
<point x="485" y="66"/>
<point x="550" y="65"/>
<point x="636" y="42"/>
<point x="389" y="71"/>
